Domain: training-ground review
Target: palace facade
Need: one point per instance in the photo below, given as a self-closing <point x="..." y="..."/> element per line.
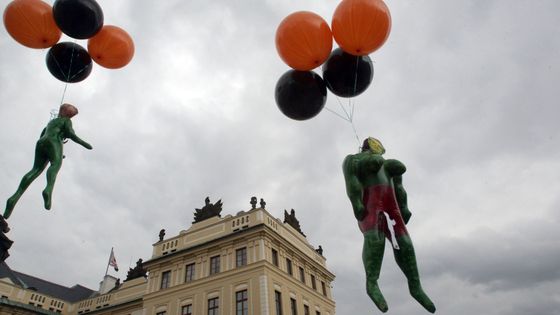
<point x="250" y="263"/>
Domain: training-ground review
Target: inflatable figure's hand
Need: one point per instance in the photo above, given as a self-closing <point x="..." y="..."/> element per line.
<point x="359" y="211"/>
<point x="406" y="214"/>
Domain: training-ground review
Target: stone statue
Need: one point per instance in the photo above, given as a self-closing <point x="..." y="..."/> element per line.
<point x="374" y="187"/>
<point x="292" y="220"/>
<point x="319" y="250"/>
<point x="5" y="242"/>
<point x="161" y="234"/>
<point x="136" y="272"/>
<point x="209" y="210"/>
<point x="262" y="203"/>
<point x="48" y="150"/>
<point x="253" y="202"/>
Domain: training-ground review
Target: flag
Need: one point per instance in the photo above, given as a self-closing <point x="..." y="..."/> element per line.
<point x="113" y="261"/>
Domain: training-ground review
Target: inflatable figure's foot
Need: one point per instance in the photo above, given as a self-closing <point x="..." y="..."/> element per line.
<point x="47" y="199"/>
<point x="376" y="296"/>
<point x="10" y="204"/>
<point x="419" y="295"/>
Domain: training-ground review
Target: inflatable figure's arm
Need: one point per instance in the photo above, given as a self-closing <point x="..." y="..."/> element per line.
<point x="401" y="198"/>
<point x="43" y="132"/>
<point x="354" y="187"/>
<point x="70" y="134"/>
<point x="396" y="168"/>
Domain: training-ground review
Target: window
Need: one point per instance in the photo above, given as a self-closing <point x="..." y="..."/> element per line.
<point x="305" y="310"/>
<point x="293" y="306"/>
<point x="301" y="274"/>
<point x="215" y="264"/>
<point x="317" y="313"/>
<point x="241" y="303"/>
<point x="278" y="302"/>
<point x="214" y="306"/>
<point x="165" y="279"/>
<point x="241" y="257"/>
<point x="289" y="267"/>
<point x="189" y="273"/>
<point x="324" y="287"/>
<point x="313" y="284"/>
<point x="275" y="257"/>
<point x="186" y="310"/>
<point x="161" y="313"/>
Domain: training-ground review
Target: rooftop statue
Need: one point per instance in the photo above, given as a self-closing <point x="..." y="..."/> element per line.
<point x="292" y="220"/>
<point x="208" y="211"/>
<point x="137" y="271"/>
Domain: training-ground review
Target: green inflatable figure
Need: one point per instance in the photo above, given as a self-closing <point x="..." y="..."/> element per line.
<point x="48" y="149"/>
<point x="374" y="187"/>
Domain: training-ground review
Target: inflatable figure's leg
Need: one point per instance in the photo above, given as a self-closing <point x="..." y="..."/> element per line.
<point x="406" y="259"/>
<point x="38" y="167"/>
<point x="52" y="171"/>
<point x="372" y="256"/>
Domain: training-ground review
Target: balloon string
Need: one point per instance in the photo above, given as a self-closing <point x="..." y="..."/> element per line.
<point x="349" y="117"/>
<point x="69" y="71"/>
<point x="337" y="114"/>
<point x="63" y="93"/>
<point x="70" y="68"/>
<point x="339" y="103"/>
<point x="350" y="111"/>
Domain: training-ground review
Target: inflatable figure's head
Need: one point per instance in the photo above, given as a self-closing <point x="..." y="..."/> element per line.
<point x="373" y="145"/>
<point x="67" y="110"/>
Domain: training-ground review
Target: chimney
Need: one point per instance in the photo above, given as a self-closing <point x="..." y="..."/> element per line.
<point x="107" y="284"/>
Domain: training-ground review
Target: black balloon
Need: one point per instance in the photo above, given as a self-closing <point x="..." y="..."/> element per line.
<point x="347" y="75"/>
<point x="69" y="62"/>
<point x="79" y="19"/>
<point x="300" y="95"/>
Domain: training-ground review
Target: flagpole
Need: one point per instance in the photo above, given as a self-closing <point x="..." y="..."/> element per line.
<point x="108" y="262"/>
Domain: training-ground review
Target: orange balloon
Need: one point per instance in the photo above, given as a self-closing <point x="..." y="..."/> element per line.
<point x="111" y="47"/>
<point x="31" y="23"/>
<point x="361" y="26"/>
<point x="303" y="40"/>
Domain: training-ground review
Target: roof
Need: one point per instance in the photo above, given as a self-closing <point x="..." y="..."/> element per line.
<point x="72" y="294"/>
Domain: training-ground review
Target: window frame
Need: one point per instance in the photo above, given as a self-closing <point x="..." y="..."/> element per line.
<point x="165" y="280"/>
<point x="302" y="275"/>
<point x="278" y="302"/>
<point x="241" y="257"/>
<point x="242" y="301"/>
<point x="190" y="276"/>
<point x="274" y="257"/>
<point x="215" y="308"/>
<point x="289" y="267"/>
<point x="187" y="307"/>
<point x="293" y="306"/>
<point x="214" y="264"/>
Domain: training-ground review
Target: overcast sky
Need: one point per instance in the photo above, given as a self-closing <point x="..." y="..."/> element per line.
<point x="465" y="93"/>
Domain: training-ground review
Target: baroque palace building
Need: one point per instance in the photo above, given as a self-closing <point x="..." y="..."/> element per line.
<point x="250" y="263"/>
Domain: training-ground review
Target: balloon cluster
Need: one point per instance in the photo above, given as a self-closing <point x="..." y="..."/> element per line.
<point x="304" y="42"/>
<point x="35" y="24"/>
